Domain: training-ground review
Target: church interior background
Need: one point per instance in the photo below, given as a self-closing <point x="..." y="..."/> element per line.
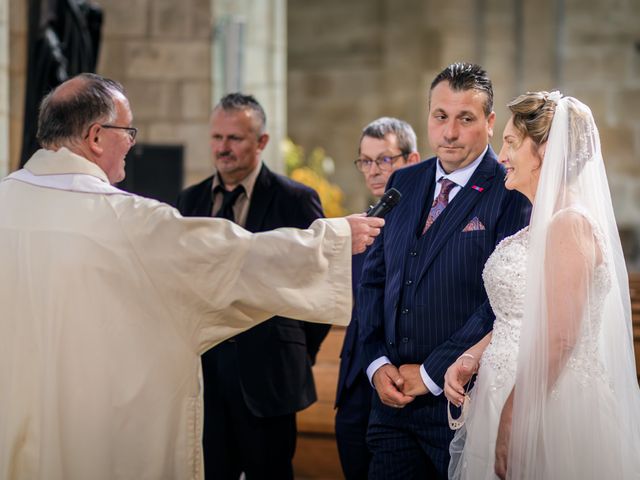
<point x="323" y="70"/>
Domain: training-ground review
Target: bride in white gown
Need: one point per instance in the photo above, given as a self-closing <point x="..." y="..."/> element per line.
<point x="556" y="395"/>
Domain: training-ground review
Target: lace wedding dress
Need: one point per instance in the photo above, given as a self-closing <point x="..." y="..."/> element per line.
<point x="473" y="447"/>
<point x="583" y="382"/>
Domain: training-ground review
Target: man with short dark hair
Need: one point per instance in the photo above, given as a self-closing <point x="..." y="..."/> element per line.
<point x="109" y="299"/>
<point x="255" y="382"/>
<point x="421" y="300"/>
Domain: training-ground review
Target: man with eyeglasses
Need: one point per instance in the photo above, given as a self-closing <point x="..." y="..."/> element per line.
<point x="108" y="300"/>
<point x="386" y="144"/>
<point x="132" y="131"/>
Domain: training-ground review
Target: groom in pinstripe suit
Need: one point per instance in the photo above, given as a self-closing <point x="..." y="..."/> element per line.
<point x="421" y="301"/>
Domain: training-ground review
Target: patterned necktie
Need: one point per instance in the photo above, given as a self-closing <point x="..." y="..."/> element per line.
<point x="440" y="203"/>
<point x="228" y="200"/>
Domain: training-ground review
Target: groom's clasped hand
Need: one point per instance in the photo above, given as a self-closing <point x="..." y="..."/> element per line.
<point x="398" y="387"/>
<point x="392" y="386"/>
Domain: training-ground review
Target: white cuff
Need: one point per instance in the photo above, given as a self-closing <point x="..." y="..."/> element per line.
<point x="374" y="366"/>
<point x="433" y="388"/>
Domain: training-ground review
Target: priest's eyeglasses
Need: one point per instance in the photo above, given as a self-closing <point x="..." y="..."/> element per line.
<point x="132" y="131"/>
<point x="384" y="163"/>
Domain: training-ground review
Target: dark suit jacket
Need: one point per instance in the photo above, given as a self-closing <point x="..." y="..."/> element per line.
<point x="421" y="298"/>
<point x="276" y="356"/>
<point x="351" y="354"/>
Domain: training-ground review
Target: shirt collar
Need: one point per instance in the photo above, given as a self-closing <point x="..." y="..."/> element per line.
<point x="247" y="182"/>
<point x="462" y="175"/>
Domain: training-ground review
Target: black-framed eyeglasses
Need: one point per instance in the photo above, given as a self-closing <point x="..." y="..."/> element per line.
<point x="383" y="163"/>
<point x="132" y="131"/>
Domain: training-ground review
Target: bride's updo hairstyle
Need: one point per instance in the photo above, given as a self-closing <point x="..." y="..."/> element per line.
<point x="532" y="114"/>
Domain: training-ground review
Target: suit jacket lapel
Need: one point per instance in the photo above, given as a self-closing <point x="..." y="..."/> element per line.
<point x="407" y="217"/>
<point x="203" y="204"/>
<point x="451" y="218"/>
<point x="260" y="200"/>
<point x="424" y="205"/>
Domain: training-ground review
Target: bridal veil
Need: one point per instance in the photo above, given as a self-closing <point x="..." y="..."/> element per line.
<point x="577" y="402"/>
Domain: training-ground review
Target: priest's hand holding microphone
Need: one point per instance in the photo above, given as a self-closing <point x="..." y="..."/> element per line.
<point x="366" y="226"/>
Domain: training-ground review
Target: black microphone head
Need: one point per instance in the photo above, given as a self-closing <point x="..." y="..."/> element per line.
<point x="391" y="197"/>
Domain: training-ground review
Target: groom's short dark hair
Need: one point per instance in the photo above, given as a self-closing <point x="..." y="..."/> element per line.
<point x="466" y="76"/>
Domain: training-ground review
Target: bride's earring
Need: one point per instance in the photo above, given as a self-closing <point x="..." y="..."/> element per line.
<point x="457" y="423"/>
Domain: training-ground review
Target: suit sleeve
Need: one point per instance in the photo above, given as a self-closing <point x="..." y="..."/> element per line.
<point x="180" y="203"/>
<point x="185" y="201"/>
<point x="370" y="304"/>
<point x="515" y="216"/>
<point x="196" y="200"/>
<point x="370" y="299"/>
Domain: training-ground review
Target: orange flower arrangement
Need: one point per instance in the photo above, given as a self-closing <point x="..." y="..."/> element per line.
<point x="313" y="172"/>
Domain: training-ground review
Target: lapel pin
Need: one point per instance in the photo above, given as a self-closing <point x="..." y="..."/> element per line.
<point x="476" y="187"/>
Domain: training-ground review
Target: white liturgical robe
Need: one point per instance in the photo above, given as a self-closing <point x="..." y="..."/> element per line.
<point x="107" y="301"/>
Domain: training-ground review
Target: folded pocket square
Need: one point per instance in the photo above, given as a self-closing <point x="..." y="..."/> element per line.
<point x="474" y="225"/>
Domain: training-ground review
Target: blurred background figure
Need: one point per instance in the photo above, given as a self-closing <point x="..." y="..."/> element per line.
<point x="386" y="144"/>
<point x="255" y="382"/>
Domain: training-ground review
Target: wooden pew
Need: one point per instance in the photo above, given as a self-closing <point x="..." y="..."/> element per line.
<point x="316" y="451"/>
<point x="634" y="291"/>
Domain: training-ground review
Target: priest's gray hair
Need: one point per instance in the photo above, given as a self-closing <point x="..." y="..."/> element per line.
<point x="67" y="116"/>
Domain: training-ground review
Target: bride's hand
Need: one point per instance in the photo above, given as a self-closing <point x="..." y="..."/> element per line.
<point x="457" y="376"/>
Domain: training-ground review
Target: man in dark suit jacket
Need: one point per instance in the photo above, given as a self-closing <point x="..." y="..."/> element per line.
<point x="255" y="382"/>
<point x="386" y="144"/>
<point x="421" y="301"/>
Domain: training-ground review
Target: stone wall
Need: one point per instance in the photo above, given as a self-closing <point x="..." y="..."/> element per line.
<point x="160" y="51"/>
<point x="350" y="62"/>
<point x="264" y="56"/>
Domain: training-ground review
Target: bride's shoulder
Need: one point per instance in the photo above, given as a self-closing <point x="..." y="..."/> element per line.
<point x="572" y="217"/>
<point x="572" y="224"/>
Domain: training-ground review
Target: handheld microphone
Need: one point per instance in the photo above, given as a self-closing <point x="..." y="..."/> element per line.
<point x="389" y="200"/>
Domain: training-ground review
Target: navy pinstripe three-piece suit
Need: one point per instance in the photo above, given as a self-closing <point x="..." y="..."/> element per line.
<point x="422" y="301"/>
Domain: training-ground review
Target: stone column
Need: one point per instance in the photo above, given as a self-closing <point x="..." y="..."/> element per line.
<point x="4" y="87"/>
<point x="260" y="57"/>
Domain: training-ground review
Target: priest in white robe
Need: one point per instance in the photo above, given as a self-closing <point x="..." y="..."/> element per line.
<point x="108" y="299"/>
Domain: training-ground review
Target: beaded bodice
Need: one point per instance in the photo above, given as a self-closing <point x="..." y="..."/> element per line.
<point x="504" y="281"/>
<point x="504" y="277"/>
